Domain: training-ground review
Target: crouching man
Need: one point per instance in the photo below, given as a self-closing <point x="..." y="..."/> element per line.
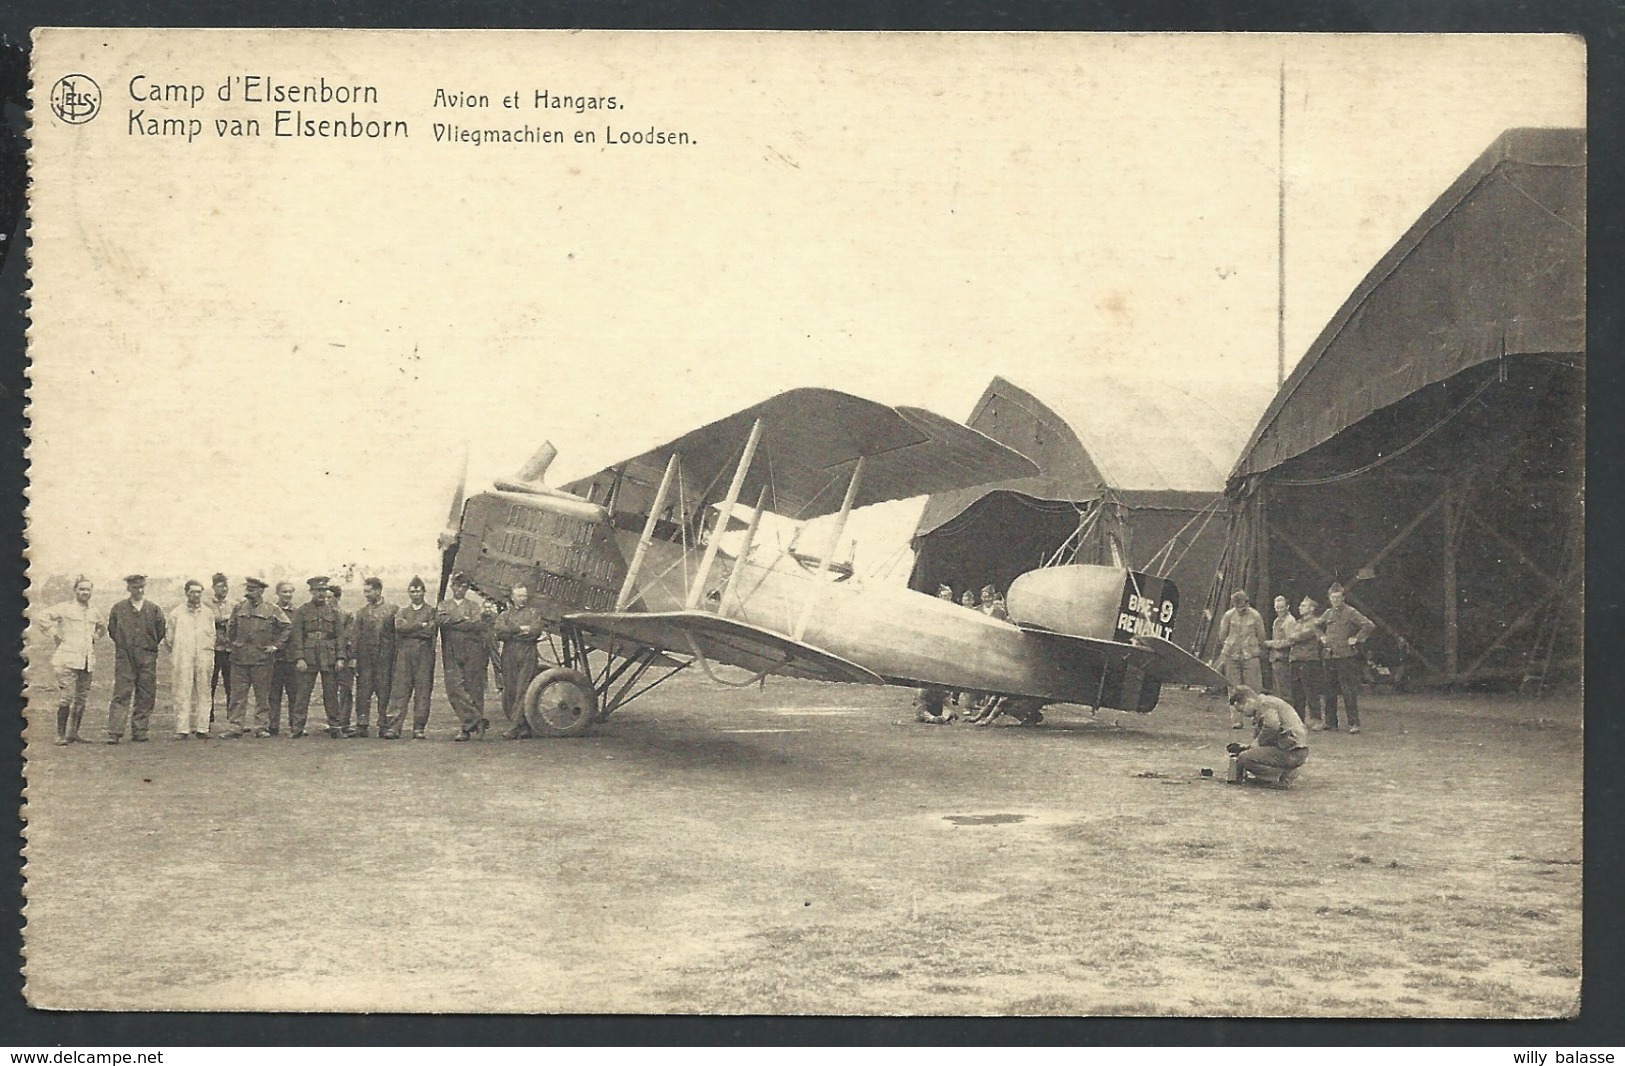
<point x="1280" y="741"/>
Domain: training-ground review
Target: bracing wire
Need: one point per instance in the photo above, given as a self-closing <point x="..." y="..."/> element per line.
<point x="705" y="665"/>
<point x="1211" y="513"/>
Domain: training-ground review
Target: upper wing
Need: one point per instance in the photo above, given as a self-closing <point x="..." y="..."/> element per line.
<point x="810" y="439"/>
<point x="724" y="640"/>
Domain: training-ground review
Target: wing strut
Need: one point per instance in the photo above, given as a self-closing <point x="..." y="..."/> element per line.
<point x="725" y="512"/>
<point x="830" y="546"/>
<point x="744" y="551"/>
<point x="625" y="598"/>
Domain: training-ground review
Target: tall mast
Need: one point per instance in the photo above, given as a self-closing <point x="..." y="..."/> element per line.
<point x="1280" y="236"/>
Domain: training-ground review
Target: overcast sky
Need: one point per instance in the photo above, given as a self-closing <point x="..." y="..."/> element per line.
<point x="274" y="351"/>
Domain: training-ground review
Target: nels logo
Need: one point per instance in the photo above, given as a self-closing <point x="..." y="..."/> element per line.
<point x="76" y="99"/>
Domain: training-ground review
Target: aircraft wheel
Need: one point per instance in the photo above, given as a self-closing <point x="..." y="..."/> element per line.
<point x="560" y="703"/>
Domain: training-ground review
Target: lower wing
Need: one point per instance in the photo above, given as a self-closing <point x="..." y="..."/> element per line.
<point x="708" y="636"/>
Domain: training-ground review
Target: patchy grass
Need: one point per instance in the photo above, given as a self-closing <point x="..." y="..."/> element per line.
<point x="861" y="864"/>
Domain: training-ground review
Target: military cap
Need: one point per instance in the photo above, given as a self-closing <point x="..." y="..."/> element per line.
<point x="372" y="583"/>
<point x="317" y="583"/>
<point x="219" y="579"/>
<point x="1336" y="586"/>
<point x="253" y="583"/>
<point x="136" y="579"/>
<point x="460" y="578"/>
<point x="416" y="583"/>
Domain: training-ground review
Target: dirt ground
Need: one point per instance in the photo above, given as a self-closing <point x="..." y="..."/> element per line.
<point x="811" y="849"/>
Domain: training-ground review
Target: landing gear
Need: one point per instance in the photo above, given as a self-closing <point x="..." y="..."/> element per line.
<point x="560" y="703"/>
<point x="565" y="700"/>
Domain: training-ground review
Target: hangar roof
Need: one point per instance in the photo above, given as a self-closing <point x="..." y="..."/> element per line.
<point x="1495" y="267"/>
<point x="1150" y="443"/>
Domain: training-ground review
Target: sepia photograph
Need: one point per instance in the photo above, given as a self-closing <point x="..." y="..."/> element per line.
<point x="836" y="524"/>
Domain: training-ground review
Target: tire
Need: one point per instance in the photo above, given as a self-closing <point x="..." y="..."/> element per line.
<point x="560" y="703"/>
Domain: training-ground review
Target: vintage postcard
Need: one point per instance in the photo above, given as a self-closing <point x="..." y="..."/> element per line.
<point x="779" y="523"/>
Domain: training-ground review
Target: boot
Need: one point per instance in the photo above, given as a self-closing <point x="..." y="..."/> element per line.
<point x="73" y="723"/>
<point x="62" y="714"/>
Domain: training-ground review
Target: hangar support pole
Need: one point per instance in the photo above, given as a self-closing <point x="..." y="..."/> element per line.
<point x="1261" y="538"/>
<point x="1327" y="575"/>
<point x="1453" y="500"/>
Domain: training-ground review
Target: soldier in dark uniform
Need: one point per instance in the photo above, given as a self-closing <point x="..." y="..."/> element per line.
<point x="373" y="648"/>
<point x="517" y="629"/>
<point x="465" y="628"/>
<point x="284" y="674"/>
<point x="412" y="677"/>
<point x="318" y="630"/>
<point x="257" y="631"/>
<point x="344" y="672"/>
<point x="137" y="627"/>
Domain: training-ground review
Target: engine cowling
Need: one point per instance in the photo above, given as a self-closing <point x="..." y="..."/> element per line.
<point x="1102" y="602"/>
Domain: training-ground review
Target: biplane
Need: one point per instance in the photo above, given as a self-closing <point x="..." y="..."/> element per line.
<point x="628" y="568"/>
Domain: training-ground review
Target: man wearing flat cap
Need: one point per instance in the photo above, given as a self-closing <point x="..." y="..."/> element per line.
<point x="465" y="634"/>
<point x="411" y="680"/>
<point x="137" y="627"/>
<point x="317" y="642"/>
<point x="257" y="632"/>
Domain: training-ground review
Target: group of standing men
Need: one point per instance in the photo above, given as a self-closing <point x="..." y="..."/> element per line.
<point x="381" y="653"/>
<point x="1313" y="656"/>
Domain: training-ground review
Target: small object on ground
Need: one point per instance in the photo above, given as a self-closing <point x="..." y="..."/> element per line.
<point x="1207" y="771"/>
<point x="1236" y="726"/>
